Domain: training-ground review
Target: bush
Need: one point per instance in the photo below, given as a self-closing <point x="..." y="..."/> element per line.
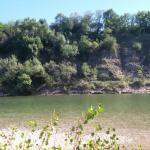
<point x="87" y="46"/>
<point x="137" y="46"/>
<point x="69" y="50"/>
<point x="89" y="72"/>
<point x="110" y="44"/>
<point x="9" y="67"/>
<point x="24" y="84"/>
<point x="53" y="70"/>
<point x="33" y="67"/>
<point x="61" y="73"/>
<point x="24" y="80"/>
<point x="67" y="72"/>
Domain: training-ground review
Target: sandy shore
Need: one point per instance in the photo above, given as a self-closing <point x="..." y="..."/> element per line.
<point x="129" y="137"/>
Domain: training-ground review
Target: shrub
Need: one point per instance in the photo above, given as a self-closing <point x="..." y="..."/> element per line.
<point x="24" y="80"/>
<point x="53" y="70"/>
<point x="89" y="72"/>
<point x="67" y="72"/>
<point x="110" y="44"/>
<point x="36" y="71"/>
<point x="61" y="73"/>
<point x="137" y="46"/>
<point x="69" y="50"/>
<point x="24" y="83"/>
<point x="87" y="46"/>
<point x="9" y="67"/>
<point x="33" y="67"/>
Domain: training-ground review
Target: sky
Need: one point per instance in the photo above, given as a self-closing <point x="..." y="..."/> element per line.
<point x="11" y="10"/>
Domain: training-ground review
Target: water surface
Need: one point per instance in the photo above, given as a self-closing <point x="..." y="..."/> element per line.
<point x="120" y="110"/>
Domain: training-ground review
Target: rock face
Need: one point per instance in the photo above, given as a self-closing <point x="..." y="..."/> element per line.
<point x="131" y="63"/>
<point x="110" y="69"/>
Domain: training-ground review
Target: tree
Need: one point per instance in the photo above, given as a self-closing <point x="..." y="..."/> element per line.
<point x="36" y="71"/>
<point x="67" y="72"/>
<point x="111" y="20"/>
<point x="69" y="50"/>
<point x="53" y="70"/>
<point x="9" y="67"/>
<point x="110" y="44"/>
<point x="23" y="84"/>
<point x="60" y="73"/>
<point x="33" y="67"/>
<point x="87" y="46"/>
<point x="125" y="23"/>
<point x="24" y="80"/>
<point x="30" y="47"/>
<point x="86" y="24"/>
<point x="142" y="20"/>
<point x="89" y="72"/>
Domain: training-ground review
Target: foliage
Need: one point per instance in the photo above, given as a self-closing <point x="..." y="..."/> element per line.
<point x="33" y="66"/>
<point x="60" y="72"/>
<point x="110" y="44"/>
<point x="71" y="49"/>
<point x="9" y="68"/>
<point x="137" y="46"/>
<point x="89" y="72"/>
<point x="32" y="45"/>
<point x="23" y="83"/>
<point x="67" y="72"/>
<point x="87" y="46"/>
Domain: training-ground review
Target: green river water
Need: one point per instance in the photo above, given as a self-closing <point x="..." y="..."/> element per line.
<point x="120" y="110"/>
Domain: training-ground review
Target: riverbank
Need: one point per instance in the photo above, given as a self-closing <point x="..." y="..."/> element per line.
<point x="85" y="87"/>
<point x="60" y="91"/>
<point x="128" y="90"/>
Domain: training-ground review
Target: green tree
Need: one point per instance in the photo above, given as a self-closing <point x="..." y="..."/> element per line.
<point x="111" y="20"/>
<point x="60" y="73"/>
<point x="36" y="71"/>
<point x="24" y="84"/>
<point x="9" y="67"/>
<point x="67" y="72"/>
<point x="89" y="72"/>
<point x="69" y="50"/>
<point x="24" y="80"/>
<point x="31" y="46"/>
<point x="142" y="20"/>
<point x="110" y="44"/>
<point x="87" y="46"/>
